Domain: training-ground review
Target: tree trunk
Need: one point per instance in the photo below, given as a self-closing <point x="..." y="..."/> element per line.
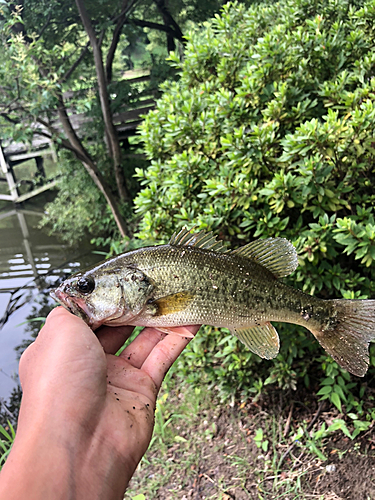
<point x="90" y="166"/>
<point x="114" y="148"/>
<point x="169" y="21"/>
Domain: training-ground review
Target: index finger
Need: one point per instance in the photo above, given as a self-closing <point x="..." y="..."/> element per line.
<point x="164" y="354"/>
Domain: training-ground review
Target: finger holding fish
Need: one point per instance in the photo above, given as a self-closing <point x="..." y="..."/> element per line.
<point x="113" y="338"/>
<point x="145" y="361"/>
<point x="163" y="355"/>
<point x="148" y="339"/>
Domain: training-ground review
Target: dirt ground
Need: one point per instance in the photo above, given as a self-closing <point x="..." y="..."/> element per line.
<point x="218" y="457"/>
<point x="211" y="452"/>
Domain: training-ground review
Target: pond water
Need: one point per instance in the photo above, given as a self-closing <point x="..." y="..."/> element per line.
<point x="31" y="263"/>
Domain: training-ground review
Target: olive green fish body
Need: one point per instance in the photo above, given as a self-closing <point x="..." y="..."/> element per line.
<point x="195" y="280"/>
<point x="221" y="289"/>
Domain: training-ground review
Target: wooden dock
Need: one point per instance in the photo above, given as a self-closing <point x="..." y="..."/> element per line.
<point x="126" y="123"/>
<point x="8" y="175"/>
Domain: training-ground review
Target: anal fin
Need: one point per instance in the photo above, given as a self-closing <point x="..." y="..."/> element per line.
<point x="262" y="340"/>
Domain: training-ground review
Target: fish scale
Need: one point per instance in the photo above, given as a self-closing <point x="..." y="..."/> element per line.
<point x="195" y="280"/>
<point x="221" y="279"/>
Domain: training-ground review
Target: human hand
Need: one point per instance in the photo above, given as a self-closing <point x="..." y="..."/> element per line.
<point x="86" y="416"/>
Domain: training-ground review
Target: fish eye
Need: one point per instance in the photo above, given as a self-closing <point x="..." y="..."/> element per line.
<point x="86" y="285"/>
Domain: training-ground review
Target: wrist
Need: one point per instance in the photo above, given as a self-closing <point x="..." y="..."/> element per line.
<point x="36" y="471"/>
<point x="55" y="466"/>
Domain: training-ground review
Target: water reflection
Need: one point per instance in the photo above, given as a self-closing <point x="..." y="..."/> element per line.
<point x="31" y="263"/>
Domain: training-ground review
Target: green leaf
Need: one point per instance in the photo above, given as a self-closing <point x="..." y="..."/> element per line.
<point x="335" y="398"/>
<point x="339" y="424"/>
<point x="325" y="390"/>
<point x="327" y="381"/>
<point x="5" y="433"/>
<point x="180" y="439"/>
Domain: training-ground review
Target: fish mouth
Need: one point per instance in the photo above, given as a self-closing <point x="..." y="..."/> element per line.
<point x="72" y="304"/>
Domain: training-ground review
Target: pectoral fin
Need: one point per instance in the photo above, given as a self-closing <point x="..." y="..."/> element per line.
<point x="262" y="340"/>
<point x="173" y="303"/>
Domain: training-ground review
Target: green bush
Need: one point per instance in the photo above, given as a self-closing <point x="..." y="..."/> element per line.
<point x="270" y="132"/>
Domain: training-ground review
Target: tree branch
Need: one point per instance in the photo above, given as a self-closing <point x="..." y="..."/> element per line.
<point x="10" y="106"/>
<point x="121" y="19"/>
<point x="92" y="169"/>
<point x="167" y="16"/>
<point x="42" y="133"/>
<point x="45" y="25"/>
<point x="9" y="119"/>
<point x="64" y="142"/>
<point x="156" y="26"/>
<point x="69" y="130"/>
<point x="76" y="64"/>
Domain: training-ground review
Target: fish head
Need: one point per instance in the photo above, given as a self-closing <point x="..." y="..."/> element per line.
<point x="102" y="296"/>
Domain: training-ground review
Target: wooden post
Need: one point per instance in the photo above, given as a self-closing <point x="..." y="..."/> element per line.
<point x="53" y="151"/>
<point x="9" y="177"/>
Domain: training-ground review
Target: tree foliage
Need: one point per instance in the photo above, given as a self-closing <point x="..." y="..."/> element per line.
<point x="60" y="60"/>
<point x="33" y="83"/>
<point x="270" y="132"/>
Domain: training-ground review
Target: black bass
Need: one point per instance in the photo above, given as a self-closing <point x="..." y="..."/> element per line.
<point x="195" y="280"/>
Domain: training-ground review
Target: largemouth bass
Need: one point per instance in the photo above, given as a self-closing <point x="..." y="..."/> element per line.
<point x="195" y="280"/>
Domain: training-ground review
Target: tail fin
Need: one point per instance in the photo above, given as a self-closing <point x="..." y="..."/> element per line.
<point x="348" y="336"/>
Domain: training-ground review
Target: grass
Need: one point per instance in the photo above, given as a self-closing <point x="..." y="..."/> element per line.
<point x="172" y="445"/>
<point x="7" y="435"/>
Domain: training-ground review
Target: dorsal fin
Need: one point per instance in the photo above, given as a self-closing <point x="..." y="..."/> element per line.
<point x="198" y="240"/>
<point x="278" y="255"/>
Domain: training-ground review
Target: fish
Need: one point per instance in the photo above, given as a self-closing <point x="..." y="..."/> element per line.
<point x="195" y="279"/>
